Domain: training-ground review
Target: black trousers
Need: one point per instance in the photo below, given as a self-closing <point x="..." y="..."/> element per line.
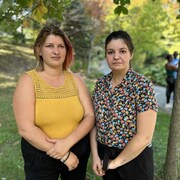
<point x="170" y="88"/>
<point x="140" y="168"/>
<point x="39" y="166"/>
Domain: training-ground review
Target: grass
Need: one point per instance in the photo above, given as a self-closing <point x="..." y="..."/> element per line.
<point x="13" y="61"/>
<point x="160" y="142"/>
<point x="11" y="163"/>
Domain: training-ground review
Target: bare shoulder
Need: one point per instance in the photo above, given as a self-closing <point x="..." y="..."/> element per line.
<point x="25" y="84"/>
<point x="78" y="78"/>
<point x="82" y="88"/>
<point x="25" y="79"/>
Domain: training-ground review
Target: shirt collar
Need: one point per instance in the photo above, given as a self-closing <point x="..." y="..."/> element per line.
<point x="128" y="77"/>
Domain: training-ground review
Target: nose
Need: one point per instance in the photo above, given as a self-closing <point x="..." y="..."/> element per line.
<point x="56" y="50"/>
<point x="116" y="55"/>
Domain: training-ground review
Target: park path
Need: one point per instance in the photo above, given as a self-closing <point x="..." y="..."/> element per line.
<point x="161" y="98"/>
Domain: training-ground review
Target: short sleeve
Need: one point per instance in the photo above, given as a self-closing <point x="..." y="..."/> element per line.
<point x="146" y="99"/>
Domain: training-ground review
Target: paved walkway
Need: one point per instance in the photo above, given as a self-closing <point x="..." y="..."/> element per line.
<point x="161" y="98"/>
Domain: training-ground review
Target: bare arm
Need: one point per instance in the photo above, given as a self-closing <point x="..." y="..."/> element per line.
<point x="96" y="161"/>
<point x="24" y="111"/>
<point x="93" y="142"/>
<point x="88" y="121"/>
<point x="145" y="128"/>
<point x="171" y="67"/>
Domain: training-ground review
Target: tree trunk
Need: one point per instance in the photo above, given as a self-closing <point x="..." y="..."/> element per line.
<point x="171" y="163"/>
<point x="90" y="55"/>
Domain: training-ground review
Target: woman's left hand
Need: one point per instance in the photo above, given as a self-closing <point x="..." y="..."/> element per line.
<point x="60" y="148"/>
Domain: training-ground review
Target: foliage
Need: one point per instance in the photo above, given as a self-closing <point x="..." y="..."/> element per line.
<point x="147" y="32"/>
<point x="121" y="9"/>
<point x="88" y="22"/>
<point x="20" y="13"/>
<point x="121" y="6"/>
<point x="156" y="73"/>
<point x="78" y="30"/>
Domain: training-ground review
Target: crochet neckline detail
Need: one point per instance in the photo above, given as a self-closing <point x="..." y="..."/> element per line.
<point x="47" y="84"/>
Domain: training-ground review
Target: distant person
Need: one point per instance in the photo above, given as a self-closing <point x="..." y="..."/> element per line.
<point x="175" y="62"/>
<point x="175" y="57"/>
<point x="125" y="109"/>
<point x="171" y="70"/>
<point x="53" y="112"/>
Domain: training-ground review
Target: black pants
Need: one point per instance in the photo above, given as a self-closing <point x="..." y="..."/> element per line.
<point x="170" y="88"/>
<point x="140" y="168"/>
<point x="39" y="166"/>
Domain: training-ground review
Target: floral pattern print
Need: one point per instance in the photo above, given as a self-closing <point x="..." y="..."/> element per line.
<point x="116" y="111"/>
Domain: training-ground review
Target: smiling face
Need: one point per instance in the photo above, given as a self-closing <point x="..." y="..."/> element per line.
<point x="53" y="51"/>
<point x="118" y="55"/>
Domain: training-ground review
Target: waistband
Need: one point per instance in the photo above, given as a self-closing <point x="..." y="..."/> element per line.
<point x="112" y="153"/>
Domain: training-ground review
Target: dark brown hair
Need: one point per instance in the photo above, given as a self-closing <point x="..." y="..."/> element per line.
<point x="120" y="35"/>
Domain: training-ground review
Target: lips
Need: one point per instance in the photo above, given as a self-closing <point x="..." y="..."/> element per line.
<point x="56" y="58"/>
<point x="117" y="63"/>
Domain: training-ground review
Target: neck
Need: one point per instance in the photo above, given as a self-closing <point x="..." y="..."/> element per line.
<point x="54" y="77"/>
<point x="117" y="77"/>
<point x="53" y="72"/>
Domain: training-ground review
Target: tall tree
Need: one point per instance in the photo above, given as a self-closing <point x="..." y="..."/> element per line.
<point x="77" y="26"/>
<point x="172" y="156"/>
<point x="96" y="12"/>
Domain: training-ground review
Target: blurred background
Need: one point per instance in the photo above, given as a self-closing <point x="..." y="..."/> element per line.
<point x="153" y="25"/>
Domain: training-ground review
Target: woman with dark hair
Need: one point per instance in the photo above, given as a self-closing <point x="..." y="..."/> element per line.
<point x="125" y="111"/>
<point x="53" y="112"/>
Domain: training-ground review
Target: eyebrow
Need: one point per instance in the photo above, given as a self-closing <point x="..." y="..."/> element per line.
<point x="53" y="43"/>
<point x="124" y="48"/>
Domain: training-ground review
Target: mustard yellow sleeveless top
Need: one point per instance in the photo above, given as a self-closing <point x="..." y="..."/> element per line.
<point x="58" y="110"/>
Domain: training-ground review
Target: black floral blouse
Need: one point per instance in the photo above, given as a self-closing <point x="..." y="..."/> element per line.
<point x="116" y="112"/>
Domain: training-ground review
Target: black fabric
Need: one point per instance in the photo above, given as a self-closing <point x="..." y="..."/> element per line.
<point x="39" y="166"/>
<point x="170" y="79"/>
<point x="170" y="88"/>
<point x="140" y="168"/>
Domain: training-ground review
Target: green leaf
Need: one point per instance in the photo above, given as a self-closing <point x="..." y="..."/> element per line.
<point x="178" y="16"/>
<point x="124" y="10"/>
<point x="23" y="3"/>
<point x="128" y="2"/>
<point x="123" y="2"/>
<point x="118" y="10"/>
<point x="116" y="2"/>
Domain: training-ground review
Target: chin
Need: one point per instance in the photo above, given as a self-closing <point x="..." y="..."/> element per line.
<point x="117" y="68"/>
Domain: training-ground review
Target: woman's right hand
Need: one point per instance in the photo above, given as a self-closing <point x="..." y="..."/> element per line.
<point x="97" y="166"/>
<point x="72" y="161"/>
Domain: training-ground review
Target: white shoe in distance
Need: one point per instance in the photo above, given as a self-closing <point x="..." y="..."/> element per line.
<point x="168" y="105"/>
